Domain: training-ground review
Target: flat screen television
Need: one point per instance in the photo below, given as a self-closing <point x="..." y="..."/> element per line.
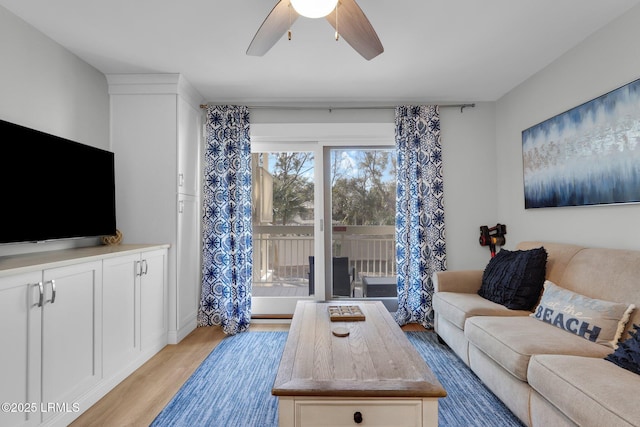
<point x="53" y="188"/>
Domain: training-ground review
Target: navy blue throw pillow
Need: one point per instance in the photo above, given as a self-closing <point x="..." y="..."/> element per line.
<point x="627" y="355"/>
<point x="515" y="278"/>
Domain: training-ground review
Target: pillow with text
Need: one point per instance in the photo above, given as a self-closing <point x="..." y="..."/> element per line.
<point x="595" y="320"/>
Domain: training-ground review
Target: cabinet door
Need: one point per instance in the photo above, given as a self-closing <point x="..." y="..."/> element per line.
<point x="20" y="319"/>
<point x="153" y="300"/>
<point x="121" y="317"/>
<point x="188" y="147"/>
<point x="71" y="332"/>
<point x="188" y="262"/>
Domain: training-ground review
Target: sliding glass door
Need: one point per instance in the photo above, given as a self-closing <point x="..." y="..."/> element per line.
<point x="284" y="206"/>
<point x="313" y="203"/>
<point x="362" y="184"/>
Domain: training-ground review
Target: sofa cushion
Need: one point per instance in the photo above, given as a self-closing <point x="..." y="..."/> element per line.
<point x="627" y="355"/>
<point x="514" y="278"/>
<point x="511" y="341"/>
<point x="457" y="307"/>
<point x="596" y="320"/>
<point x="590" y="391"/>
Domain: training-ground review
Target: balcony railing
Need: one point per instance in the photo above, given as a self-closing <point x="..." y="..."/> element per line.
<point x="281" y="253"/>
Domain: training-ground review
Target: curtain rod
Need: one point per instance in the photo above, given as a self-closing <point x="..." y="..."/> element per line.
<point x="330" y="109"/>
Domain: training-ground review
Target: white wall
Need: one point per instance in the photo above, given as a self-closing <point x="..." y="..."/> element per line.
<point x="468" y="144"/>
<point x="470" y="170"/>
<point x="603" y="62"/>
<point x="45" y="87"/>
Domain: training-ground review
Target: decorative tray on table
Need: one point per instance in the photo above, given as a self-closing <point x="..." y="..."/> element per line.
<point x="345" y="313"/>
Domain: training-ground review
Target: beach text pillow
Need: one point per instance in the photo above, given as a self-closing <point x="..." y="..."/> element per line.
<point x="593" y="319"/>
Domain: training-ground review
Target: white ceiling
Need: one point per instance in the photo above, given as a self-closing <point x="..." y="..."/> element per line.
<point x="435" y="50"/>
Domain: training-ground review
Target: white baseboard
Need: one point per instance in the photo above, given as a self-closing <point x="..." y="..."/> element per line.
<point x="271" y="321"/>
<point x="174" y="337"/>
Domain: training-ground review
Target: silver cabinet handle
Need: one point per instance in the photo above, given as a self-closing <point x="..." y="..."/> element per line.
<point x="146" y="266"/>
<point x="53" y="291"/>
<point x="138" y="268"/>
<point x="40" y="302"/>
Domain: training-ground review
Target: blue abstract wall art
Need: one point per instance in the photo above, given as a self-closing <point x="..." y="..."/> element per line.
<point x="589" y="155"/>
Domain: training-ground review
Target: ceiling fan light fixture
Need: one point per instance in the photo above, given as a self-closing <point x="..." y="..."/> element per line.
<point x="314" y="8"/>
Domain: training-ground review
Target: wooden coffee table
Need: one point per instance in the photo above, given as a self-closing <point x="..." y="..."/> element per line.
<point x="372" y="376"/>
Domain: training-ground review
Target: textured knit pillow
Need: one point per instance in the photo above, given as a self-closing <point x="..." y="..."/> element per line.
<point x="596" y="320"/>
<point x="515" y="278"/>
<point x="627" y="355"/>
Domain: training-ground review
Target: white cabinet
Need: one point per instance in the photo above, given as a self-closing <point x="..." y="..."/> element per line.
<point x="51" y="328"/>
<point x="188" y="263"/>
<point x="153" y="302"/>
<point x="134" y="310"/>
<point x="156" y="135"/>
<point x="189" y="125"/>
<point x="73" y="324"/>
<point x="71" y="333"/>
<point x="20" y="320"/>
<point x="120" y="297"/>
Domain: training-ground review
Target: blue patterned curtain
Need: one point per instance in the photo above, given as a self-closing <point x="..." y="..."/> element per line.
<point x="227" y="231"/>
<point x="420" y="246"/>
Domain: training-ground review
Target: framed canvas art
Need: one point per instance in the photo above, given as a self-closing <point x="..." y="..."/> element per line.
<point x="589" y="155"/>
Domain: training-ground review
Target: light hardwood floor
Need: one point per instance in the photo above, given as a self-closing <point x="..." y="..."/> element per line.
<point x="138" y="399"/>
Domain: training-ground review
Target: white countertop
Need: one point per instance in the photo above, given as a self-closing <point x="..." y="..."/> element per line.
<point x="15" y="264"/>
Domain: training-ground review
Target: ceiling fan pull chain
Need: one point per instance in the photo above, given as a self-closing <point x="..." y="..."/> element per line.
<point x="289" y="32"/>
<point x="337" y="33"/>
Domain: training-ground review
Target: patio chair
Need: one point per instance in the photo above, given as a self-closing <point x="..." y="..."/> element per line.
<point x="343" y="278"/>
<point x="312" y="285"/>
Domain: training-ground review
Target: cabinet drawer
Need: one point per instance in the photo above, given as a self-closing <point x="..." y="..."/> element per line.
<point x="373" y="412"/>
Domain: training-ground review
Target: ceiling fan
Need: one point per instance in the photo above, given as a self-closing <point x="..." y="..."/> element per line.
<point x="345" y="16"/>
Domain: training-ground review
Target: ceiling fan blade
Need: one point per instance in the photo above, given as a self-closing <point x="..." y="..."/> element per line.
<point x="355" y="28"/>
<point x="274" y="26"/>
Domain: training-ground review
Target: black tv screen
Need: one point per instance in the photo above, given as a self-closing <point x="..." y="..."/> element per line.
<point x="53" y="188"/>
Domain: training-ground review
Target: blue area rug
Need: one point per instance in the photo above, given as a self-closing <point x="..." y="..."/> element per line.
<point x="468" y="401"/>
<point x="232" y="386"/>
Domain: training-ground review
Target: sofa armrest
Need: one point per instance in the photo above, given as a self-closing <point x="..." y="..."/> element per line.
<point x="462" y="281"/>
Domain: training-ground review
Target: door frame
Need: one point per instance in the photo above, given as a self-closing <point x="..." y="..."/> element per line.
<point x="315" y="137"/>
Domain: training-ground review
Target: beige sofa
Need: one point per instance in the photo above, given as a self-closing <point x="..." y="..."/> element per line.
<point x="546" y="375"/>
